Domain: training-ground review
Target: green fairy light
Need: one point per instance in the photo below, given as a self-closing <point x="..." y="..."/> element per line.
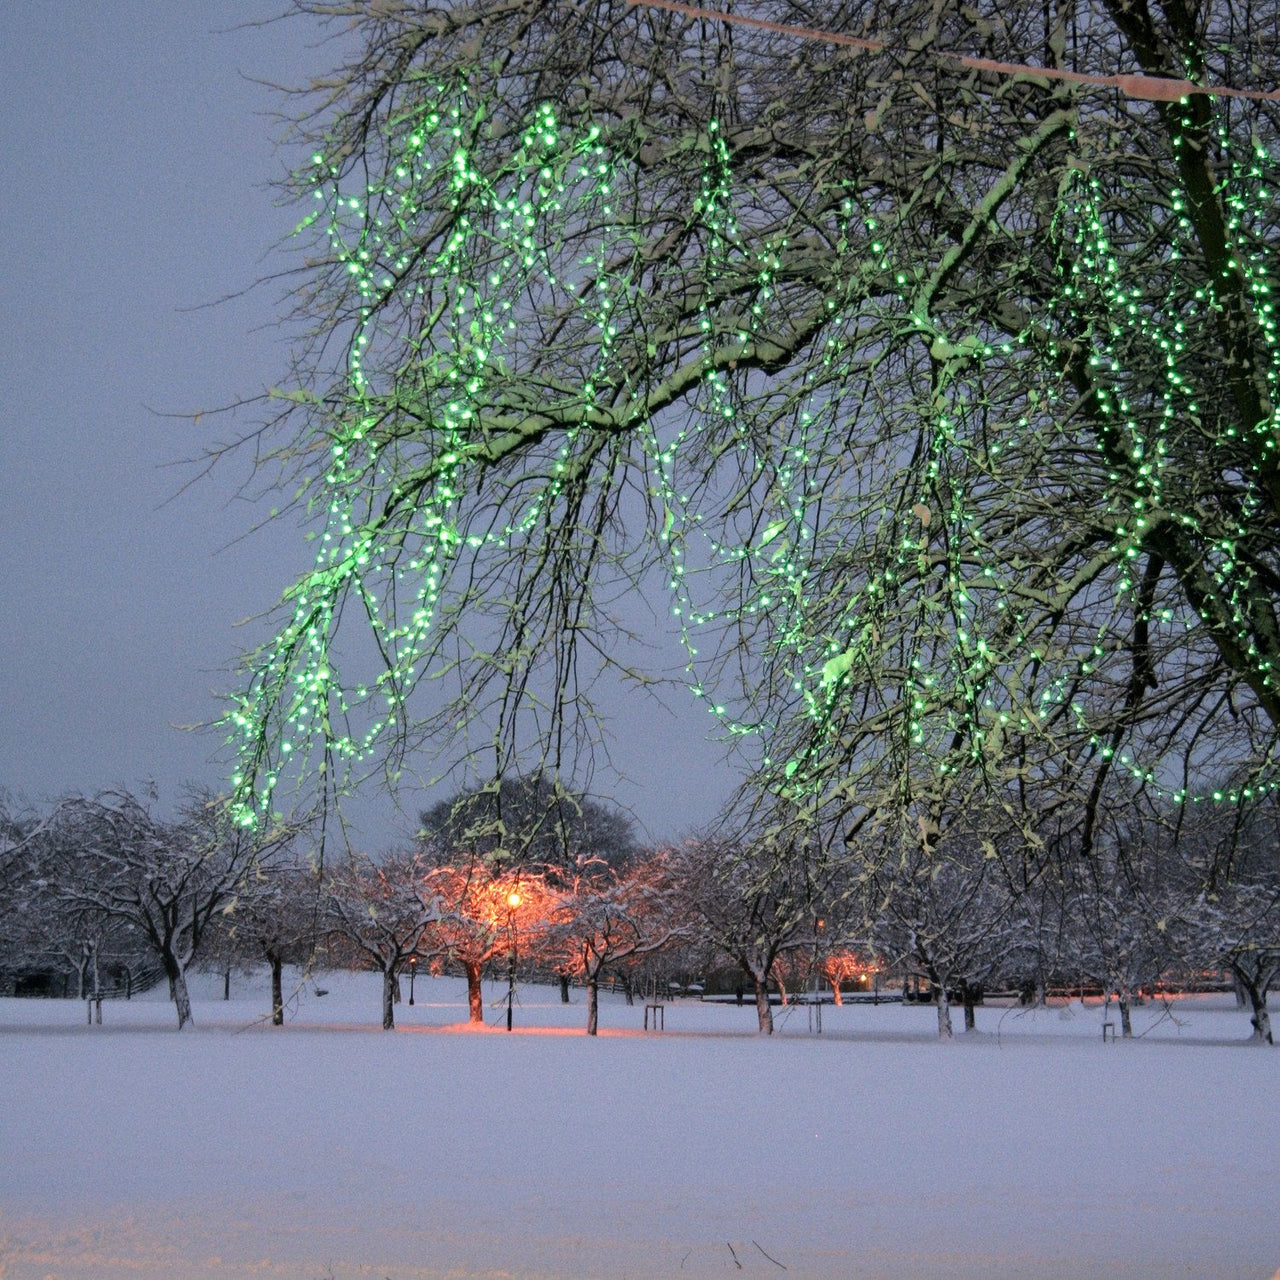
<point x="463" y="255"/>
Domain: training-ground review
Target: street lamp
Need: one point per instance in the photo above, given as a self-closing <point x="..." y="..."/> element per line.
<point x="513" y="901"/>
<point x="413" y="973"/>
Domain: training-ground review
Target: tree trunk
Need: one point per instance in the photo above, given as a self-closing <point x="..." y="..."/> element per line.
<point x="764" y="1013"/>
<point x="388" y="999"/>
<point x="564" y="988"/>
<point x="1260" y="1018"/>
<point x="475" y="997"/>
<point x="181" y="996"/>
<point x="277" y="990"/>
<point x="593" y="1005"/>
<point x="944" y="1011"/>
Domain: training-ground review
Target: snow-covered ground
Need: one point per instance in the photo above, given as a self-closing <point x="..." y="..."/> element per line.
<point x="330" y="1149"/>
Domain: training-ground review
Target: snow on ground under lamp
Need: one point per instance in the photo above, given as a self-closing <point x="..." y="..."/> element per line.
<point x="330" y="1149"/>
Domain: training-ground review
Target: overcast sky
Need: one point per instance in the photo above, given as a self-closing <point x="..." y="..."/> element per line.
<point x="135" y="173"/>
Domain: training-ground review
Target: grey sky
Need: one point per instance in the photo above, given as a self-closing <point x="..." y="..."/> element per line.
<point x="134" y="178"/>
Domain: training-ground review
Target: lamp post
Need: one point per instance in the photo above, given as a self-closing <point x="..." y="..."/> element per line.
<point x="513" y="901"/>
<point x="413" y="973"/>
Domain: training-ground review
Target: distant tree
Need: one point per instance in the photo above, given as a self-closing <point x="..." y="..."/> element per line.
<point x="1118" y="935"/>
<point x="752" y="903"/>
<point x="25" y="905"/>
<point x="840" y="950"/>
<point x="43" y="933"/>
<point x="18" y="826"/>
<point x="529" y="821"/>
<point x="1125" y="906"/>
<point x="943" y="908"/>
<point x="485" y="912"/>
<point x="35" y="927"/>
<point x="1239" y="927"/>
<point x="492" y="840"/>
<point x="1034" y="959"/>
<point x="275" y="918"/>
<point x="843" y="965"/>
<point x="1234" y="922"/>
<point x="383" y="913"/>
<point x="608" y="917"/>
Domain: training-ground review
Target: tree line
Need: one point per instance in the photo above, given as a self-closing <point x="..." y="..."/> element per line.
<point x="523" y="876"/>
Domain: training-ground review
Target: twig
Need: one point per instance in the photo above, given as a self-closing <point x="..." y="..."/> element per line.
<point x="775" y="1262"/>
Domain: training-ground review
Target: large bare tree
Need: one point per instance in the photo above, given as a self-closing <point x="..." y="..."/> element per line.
<point x="927" y="354"/>
<point x="116" y="865"/>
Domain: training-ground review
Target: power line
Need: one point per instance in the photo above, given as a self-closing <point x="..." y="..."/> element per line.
<point x="1146" y="88"/>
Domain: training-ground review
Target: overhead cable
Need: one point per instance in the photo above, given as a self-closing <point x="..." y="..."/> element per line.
<point x="1144" y="87"/>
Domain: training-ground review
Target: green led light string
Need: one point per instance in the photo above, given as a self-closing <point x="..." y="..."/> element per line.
<point x="934" y="615"/>
<point x="499" y="240"/>
<point x="747" y="275"/>
<point x="1100" y="297"/>
<point x="780" y="564"/>
<point x="977" y="678"/>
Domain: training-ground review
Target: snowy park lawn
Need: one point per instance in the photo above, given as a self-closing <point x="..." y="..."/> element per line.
<point x="332" y="1149"/>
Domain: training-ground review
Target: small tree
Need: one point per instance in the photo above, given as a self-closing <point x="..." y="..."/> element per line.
<point x="752" y="903"/>
<point x="605" y="917"/>
<point x="385" y="913"/>
<point x="942" y="909"/>
<point x="477" y="918"/>
<point x="274" y="918"/>
<point x="1124" y="905"/>
<point x="1238" y="927"/>
<point x="839" y="967"/>
<point x="1235" y="921"/>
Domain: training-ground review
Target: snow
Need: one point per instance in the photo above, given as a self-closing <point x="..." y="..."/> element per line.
<point x="330" y="1149"/>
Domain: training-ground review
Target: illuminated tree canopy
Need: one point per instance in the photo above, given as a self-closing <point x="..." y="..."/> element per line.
<point x="940" y="394"/>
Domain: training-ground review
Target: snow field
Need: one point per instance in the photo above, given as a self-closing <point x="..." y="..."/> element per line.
<point x="330" y="1149"/>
